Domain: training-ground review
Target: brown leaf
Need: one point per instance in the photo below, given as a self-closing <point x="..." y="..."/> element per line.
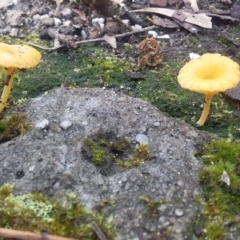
<point x="164" y="22"/>
<point x="200" y="19"/>
<point x="111" y="40"/>
<point x="81" y="14"/>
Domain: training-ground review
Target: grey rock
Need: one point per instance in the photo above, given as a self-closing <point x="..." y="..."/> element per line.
<point x="52" y="161"/>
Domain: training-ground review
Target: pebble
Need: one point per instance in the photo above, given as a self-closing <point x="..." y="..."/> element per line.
<point x="48" y="21"/>
<point x="14" y="32"/>
<point x="141" y="138"/>
<point x="42" y="124"/>
<point x="32" y="168"/>
<point x="66" y="12"/>
<point x="156" y="124"/>
<point x="179" y="212"/>
<point x="57" y="22"/>
<point x="65" y="124"/>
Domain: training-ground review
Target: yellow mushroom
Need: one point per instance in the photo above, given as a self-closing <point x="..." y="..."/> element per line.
<point x="13" y="58"/>
<point x="209" y="74"/>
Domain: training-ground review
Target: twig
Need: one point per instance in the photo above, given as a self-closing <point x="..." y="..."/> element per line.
<point x="16" y="234"/>
<point x="98" y="231"/>
<point x="76" y="44"/>
<point x="52" y="49"/>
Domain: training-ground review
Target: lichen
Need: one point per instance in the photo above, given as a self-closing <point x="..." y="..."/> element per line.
<point x="35" y="212"/>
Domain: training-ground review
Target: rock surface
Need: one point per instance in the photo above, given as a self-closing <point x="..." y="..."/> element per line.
<point x="51" y="159"/>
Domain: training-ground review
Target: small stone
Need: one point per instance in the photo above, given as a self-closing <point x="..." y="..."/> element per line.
<point x="179" y="212"/>
<point x="65" y="124"/>
<point x="31" y="169"/>
<point x="85" y="123"/>
<point x="162" y="208"/>
<point x="66" y="12"/>
<point x="156" y="124"/>
<point x="42" y="124"/>
<point x="48" y="21"/>
<point x="36" y="17"/>
<point x="57" y="22"/>
<point x="14" y="32"/>
<point x="141" y="138"/>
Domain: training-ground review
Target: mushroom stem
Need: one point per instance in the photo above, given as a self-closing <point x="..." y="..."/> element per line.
<point x="7" y="87"/>
<point x="206" y="108"/>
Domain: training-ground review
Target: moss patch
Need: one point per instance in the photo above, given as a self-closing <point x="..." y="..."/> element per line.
<point x="222" y="201"/>
<point x="13" y="126"/>
<point x="35" y="212"/>
<point x="112" y="154"/>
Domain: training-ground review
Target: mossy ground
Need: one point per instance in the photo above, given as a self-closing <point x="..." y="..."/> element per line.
<point x="221" y="204"/>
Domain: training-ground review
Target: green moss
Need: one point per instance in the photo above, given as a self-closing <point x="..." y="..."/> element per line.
<point x="13" y="126"/>
<point x="97" y="152"/>
<point x="35" y="212"/>
<point x="110" y="153"/>
<point x="222" y="201"/>
<point x="140" y="155"/>
<point x="152" y="205"/>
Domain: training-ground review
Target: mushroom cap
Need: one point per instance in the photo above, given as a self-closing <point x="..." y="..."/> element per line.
<point x="18" y="56"/>
<point x="211" y="73"/>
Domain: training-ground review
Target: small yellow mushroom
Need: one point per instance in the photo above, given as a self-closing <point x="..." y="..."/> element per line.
<point x="12" y="59"/>
<point x="209" y="74"/>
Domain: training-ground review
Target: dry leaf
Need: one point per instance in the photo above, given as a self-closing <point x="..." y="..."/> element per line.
<point x="81" y="14"/>
<point x="164" y="22"/>
<point x="194" y="5"/>
<point x="225" y="178"/>
<point x="58" y="2"/>
<point x="111" y="40"/>
<point x="200" y="19"/>
<point x="57" y="11"/>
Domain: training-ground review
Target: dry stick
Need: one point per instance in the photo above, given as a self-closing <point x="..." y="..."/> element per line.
<point x="46" y="49"/>
<point x="116" y="36"/>
<point x="16" y="234"/>
<point x="98" y="231"/>
<point x="76" y="44"/>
